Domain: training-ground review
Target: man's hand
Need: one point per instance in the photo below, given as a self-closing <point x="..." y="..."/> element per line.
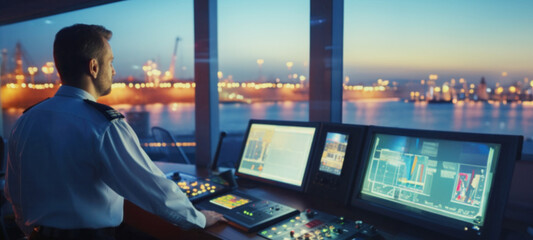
<point x="212" y="217"/>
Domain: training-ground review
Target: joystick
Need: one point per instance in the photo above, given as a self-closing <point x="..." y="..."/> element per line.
<point x="176" y="176"/>
<point x="310" y="213"/>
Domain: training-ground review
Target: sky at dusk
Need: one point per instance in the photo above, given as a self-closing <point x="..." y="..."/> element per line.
<point x="387" y="39"/>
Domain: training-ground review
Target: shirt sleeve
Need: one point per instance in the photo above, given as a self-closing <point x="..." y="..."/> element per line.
<point x="129" y="171"/>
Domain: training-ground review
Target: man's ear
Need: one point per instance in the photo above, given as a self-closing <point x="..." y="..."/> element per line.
<point x="93" y="67"/>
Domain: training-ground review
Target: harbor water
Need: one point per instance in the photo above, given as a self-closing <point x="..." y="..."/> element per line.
<point x="479" y="117"/>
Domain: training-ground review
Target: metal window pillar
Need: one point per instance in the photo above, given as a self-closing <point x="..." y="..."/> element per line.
<point x="325" y="67"/>
<point x="205" y="77"/>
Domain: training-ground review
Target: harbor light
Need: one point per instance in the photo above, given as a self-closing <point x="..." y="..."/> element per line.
<point x="48" y="69"/>
<point x="289" y="65"/>
<point x="32" y="71"/>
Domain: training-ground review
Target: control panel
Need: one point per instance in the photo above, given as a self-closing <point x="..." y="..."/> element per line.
<point x="311" y="224"/>
<point x="197" y="188"/>
<point x="246" y="212"/>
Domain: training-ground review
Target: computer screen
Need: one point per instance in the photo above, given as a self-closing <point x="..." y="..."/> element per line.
<point x="229" y="201"/>
<point x="334" y="153"/>
<point x="445" y="179"/>
<point x="277" y="152"/>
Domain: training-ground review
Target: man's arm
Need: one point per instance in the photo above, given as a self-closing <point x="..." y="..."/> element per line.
<point x="131" y="173"/>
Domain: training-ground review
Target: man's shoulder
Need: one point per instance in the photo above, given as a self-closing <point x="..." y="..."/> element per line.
<point x="108" y="112"/>
<point x="32" y="106"/>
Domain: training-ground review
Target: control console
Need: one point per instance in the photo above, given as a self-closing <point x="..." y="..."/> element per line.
<point x="246" y="212"/>
<point x="197" y="188"/>
<point x="311" y="224"/>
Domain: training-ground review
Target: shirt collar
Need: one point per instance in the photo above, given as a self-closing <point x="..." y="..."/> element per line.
<point x="74" y="92"/>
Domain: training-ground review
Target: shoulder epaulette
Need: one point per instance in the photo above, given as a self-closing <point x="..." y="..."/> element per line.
<point x="109" y="112"/>
<point x="30" y="107"/>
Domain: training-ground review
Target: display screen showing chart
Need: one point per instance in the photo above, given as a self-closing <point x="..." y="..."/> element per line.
<point x="229" y="201"/>
<point x="449" y="178"/>
<point x="277" y="152"/>
<point x="334" y="153"/>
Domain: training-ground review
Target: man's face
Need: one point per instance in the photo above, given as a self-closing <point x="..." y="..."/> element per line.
<point x="104" y="78"/>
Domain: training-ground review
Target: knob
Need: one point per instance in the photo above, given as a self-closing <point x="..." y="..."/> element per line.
<point x="176" y="176"/>
<point x="309" y="213"/>
<point x="358" y="224"/>
<point x="371" y="229"/>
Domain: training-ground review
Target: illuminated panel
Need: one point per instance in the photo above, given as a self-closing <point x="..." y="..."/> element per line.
<point x="444" y="177"/>
<point x="229" y="201"/>
<point x="334" y="152"/>
<point x="277" y="152"/>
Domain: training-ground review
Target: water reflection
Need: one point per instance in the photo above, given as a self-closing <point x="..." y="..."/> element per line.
<point x="469" y="117"/>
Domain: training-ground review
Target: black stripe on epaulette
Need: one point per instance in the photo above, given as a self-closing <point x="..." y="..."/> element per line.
<point x="109" y="112"/>
<point x="30" y="107"/>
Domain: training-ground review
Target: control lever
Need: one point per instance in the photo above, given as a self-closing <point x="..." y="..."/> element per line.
<point x="214" y="165"/>
<point x="229" y="177"/>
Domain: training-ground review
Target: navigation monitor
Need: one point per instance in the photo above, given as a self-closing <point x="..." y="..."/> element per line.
<point x="334" y="152"/>
<point x="334" y="163"/>
<point x="277" y="152"/>
<point x="455" y="183"/>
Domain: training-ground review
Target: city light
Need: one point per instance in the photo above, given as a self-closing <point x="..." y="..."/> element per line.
<point x="295" y="85"/>
<point x="289" y="65"/>
<point x="32" y="71"/>
<point x="48" y="69"/>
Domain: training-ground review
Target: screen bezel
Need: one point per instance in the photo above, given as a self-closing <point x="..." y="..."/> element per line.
<point x="300" y="188"/>
<point x="510" y="149"/>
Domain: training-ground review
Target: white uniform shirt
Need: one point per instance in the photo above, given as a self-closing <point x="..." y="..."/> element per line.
<point x="70" y="167"/>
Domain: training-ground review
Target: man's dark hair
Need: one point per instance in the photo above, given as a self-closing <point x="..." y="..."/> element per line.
<point x="74" y="47"/>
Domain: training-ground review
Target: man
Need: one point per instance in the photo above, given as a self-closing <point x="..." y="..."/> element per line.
<point x="72" y="161"/>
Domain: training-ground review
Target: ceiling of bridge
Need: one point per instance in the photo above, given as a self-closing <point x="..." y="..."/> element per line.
<point x="12" y="11"/>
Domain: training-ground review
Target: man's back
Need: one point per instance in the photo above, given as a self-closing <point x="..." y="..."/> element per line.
<point x="57" y="143"/>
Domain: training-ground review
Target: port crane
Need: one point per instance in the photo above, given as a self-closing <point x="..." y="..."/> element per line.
<point x="172" y="67"/>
